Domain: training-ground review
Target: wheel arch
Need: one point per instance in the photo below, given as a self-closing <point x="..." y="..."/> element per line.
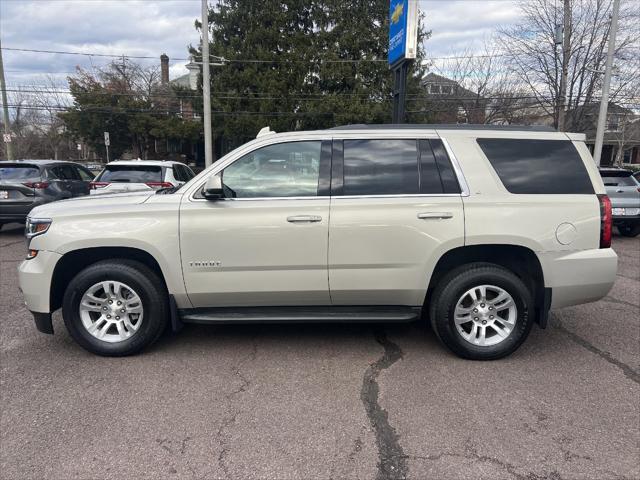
<point x="72" y="262"/>
<point x="520" y="260"/>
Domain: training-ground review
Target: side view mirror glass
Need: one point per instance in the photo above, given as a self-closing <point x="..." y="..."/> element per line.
<point x="212" y="190"/>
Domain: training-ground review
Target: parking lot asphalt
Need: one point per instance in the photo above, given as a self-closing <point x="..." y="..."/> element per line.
<point x="324" y="401"/>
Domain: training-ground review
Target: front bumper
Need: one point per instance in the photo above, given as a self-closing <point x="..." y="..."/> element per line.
<point x="34" y="279"/>
<point x="580" y="276"/>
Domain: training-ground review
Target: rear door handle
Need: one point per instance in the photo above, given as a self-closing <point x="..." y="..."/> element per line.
<point x="434" y="215"/>
<point x="304" y="219"/>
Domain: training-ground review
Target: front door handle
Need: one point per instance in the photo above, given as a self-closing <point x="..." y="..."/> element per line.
<point x="304" y="219"/>
<point x="434" y="215"/>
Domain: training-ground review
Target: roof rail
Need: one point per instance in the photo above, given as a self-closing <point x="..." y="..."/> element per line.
<point x="436" y="126"/>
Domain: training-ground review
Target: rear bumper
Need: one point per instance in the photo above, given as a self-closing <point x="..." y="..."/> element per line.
<point x="17" y="212"/>
<point x="628" y="219"/>
<point x="579" y="277"/>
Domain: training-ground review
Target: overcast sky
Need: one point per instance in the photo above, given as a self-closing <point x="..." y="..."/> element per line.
<point x="153" y="27"/>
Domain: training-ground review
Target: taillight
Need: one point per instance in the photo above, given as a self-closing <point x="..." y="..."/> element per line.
<point x="158" y="185"/>
<point x="97" y="185"/>
<point x="37" y="185"/>
<point x="606" y="221"/>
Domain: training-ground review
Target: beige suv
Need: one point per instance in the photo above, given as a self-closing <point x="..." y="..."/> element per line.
<point x="479" y="230"/>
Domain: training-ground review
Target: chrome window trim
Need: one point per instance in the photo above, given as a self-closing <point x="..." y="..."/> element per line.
<point x="336" y="197"/>
<point x="255" y="145"/>
<point x="261" y="199"/>
<point x="399" y="195"/>
<point x="464" y="187"/>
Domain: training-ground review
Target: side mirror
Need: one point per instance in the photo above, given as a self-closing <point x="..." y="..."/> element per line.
<point x="212" y="190"/>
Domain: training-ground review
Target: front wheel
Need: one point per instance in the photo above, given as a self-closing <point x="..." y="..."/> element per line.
<point x="629" y="230"/>
<point x="115" y="307"/>
<point x="481" y="311"/>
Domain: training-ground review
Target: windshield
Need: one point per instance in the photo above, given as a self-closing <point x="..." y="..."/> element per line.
<point x="131" y="174"/>
<point x="19" y="172"/>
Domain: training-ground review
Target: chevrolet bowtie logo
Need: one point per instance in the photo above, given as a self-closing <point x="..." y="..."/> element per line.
<point x="397" y="12"/>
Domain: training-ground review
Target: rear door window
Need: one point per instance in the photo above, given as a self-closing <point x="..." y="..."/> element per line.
<point x="131" y="174"/>
<point x="85" y="175"/>
<point x="537" y="166"/>
<point x="65" y="172"/>
<point x="18" y="172"/>
<point x="380" y="167"/>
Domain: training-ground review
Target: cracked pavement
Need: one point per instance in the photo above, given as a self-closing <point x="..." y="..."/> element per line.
<point x="324" y="401"/>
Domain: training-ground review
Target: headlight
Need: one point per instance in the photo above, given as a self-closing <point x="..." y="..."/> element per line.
<point x="36" y="226"/>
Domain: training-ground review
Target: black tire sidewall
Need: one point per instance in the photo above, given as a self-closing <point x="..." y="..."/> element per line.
<point x="140" y="279"/>
<point x="464" y="280"/>
<point x="627" y="230"/>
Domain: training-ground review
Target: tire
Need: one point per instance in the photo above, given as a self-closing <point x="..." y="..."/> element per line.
<point x="455" y="287"/>
<point x="142" y="295"/>
<point x="629" y="230"/>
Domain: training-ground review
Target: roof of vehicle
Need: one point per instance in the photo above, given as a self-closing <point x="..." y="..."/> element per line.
<point x="37" y="162"/>
<point x="157" y="163"/>
<point x="435" y="126"/>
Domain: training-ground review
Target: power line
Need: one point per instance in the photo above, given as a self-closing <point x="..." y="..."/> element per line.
<point x="307" y="97"/>
<point x="241" y="60"/>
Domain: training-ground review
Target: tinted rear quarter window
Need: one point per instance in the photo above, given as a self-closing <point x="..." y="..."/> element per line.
<point x="131" y="174"/>
<point x="537" y="166"/>
<point x="18" y="172"/>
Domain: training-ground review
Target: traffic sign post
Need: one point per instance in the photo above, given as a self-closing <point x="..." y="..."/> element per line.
<point x="403" y="45"/>
<point x="107" y="142"/>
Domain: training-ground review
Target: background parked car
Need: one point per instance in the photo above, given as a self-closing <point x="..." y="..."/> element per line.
<point x="25" y="184"/>
<point x="624" y="191"/>
<point x="139" y="175"/>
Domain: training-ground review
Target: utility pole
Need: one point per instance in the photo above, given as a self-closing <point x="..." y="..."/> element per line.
<point x="5" y="109"/>
<point x="206" y="86"/>
<point x="566" y="50"/>
<point x="606" y="83"/>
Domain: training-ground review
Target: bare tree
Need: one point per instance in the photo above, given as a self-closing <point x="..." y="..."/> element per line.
<point x="489" y="93"/>
<point x="531" y="53"/>
<point x="49" y="100"/>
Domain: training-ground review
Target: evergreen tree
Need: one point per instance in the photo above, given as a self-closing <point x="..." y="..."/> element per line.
<point x="298" y="64"/>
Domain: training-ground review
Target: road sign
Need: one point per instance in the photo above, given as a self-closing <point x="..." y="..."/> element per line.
<point x="79" y="146"/>
<point x="403" y="30"/>
<point x="107" y="142"/>
<point x="6" y="137"/>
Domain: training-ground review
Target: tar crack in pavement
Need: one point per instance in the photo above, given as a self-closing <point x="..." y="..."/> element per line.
<point x="392" y="462"/>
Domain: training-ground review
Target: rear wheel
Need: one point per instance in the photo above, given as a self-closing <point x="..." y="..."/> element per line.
<point x="115" y="307"/>
<point x="629" y="230"/>
<point x="481" y="311"/>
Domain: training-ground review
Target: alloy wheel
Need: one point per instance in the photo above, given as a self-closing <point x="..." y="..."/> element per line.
<point x="485" y="315"/>
<point x="111" y="311"/>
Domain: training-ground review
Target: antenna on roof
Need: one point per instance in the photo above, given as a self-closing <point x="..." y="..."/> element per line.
<point x="265" y="131"/>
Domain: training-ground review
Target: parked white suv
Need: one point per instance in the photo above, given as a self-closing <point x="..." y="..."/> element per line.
<point x="140" y="175"/>
<point x="480" y="230"/>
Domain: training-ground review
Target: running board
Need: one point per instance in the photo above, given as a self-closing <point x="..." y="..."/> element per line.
<point x="300" y="314"/>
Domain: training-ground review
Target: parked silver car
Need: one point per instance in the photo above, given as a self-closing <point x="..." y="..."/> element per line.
<point x="623" y="189"/>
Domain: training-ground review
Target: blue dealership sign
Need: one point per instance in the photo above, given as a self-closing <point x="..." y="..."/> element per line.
<point x="403" y="31"/>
